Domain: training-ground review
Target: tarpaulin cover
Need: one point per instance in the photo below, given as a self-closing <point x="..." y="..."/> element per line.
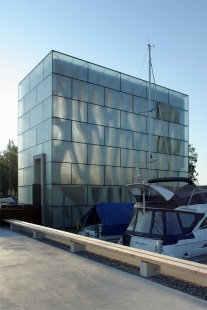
<point x="114" y="217"/>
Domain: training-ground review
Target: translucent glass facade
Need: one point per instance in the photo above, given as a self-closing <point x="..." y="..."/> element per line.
<point x="92" y="125"/>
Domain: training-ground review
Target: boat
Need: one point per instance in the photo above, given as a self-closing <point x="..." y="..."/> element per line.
<point x="106" y="221"/>
<point x="170" y="222"/>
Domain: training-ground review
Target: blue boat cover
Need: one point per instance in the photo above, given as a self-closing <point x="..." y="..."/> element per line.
<point x="114" y="217"/>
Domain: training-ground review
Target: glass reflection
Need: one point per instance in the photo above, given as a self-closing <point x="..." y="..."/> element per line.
<point x="36" y="76"/>
<point x="103" y="116"/>
<point x="69" y="66"/>
<point x="103" y="76"/>
<point x="61" y="86"/>
<point x="118" y="138"/>
<point x="133" y="86"/>
<point x="118" y="100"/>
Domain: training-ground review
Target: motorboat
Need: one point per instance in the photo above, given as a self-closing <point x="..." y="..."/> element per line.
<point x="170" y="222"/>
<point x="106" y="221"/>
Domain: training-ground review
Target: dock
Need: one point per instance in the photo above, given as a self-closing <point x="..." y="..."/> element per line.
<point x="34" y="275"/>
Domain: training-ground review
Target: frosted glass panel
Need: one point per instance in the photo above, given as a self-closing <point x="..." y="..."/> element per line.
<point x="20" y="177"/>
<point x="24" y="194"/>
<point x="126" y="195"/>
<point x="158" y="94"/>
<point x="20" y="142"/>
<point x="118" y="138"/>
<point x="74" y="194"/>
<point x="133" y="122"/>
<point x="48" y="174"/>
<point x="44" y="131"/>
<point x="36" y="115"/>
<point x="47" y="150"/>
<point x="178" y="131"/>
<point x="47" y="108"/>
<point x="70" y="152"/>
<point x="79" y="111"/>
<point x="118" y="100"/>
<point x="87" y="174"/>
<point x="29" y="138"/>
<point x="179" y="163"/>
<point x="183" y="174"/>
<point x="158" y="127"/>
<point x="118" y="175"/>
<point x="133" y="86"/>
<point x="103" y="116"/>
<point x="33" y="151"/>
<point x="21" y="107"/>
<point x="160" y="161"/>
<point x="141" y="106"/>
<point x="61" y="86"/>
<point x="87" y="133"/>
<point x="48" y="199"/>
<point x="141" y="141"/>
<point x="28" y="176"/>
<point x="61" y="173"/>
<point x="23" y="159"/>
<point x="23" y="123"/>
<point x="178" y="99"/>
<point x="30" y="100"/>
<point x="184" y="117"/>
<point x="153" y="143"/>
<point x="98" y="194"/>
<point x="183" y="148"/>
<point x="70" y="66"/>
<point x="168" y="113"/>
<point x="47" y="65"/>
<point x="36" y="76"/>
<point x="103" y="76"/>
<point x="23" y="87"/>
<point x="172" y="147"/>
<point x="44" y="89"/>
<point x="88" y="92"/>
<point x="69" y="109"/>
<point x="61" y="107"/>
<point x="102" y="155"/>
<point x="61" y="129"/>
<point x="132" y="158"/>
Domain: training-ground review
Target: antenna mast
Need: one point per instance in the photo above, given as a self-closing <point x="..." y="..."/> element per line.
<point x="149" y="123"/>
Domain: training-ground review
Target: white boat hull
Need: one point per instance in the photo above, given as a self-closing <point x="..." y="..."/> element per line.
<point x="185" y="249"/>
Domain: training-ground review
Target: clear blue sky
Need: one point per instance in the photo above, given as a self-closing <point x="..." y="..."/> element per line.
<point x="112" y="33"/>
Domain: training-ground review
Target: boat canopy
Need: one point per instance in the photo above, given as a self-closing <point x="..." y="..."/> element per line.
<point x="150" y="190"/>
<point x="156" y="195"/>
<point x="167" y="225"/>
<point x="114" y="217"/>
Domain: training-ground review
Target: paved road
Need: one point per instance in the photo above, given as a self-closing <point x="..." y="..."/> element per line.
<point x="34" y="275"/>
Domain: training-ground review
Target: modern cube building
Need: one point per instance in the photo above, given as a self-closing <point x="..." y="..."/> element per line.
<point x="84" y="134"/>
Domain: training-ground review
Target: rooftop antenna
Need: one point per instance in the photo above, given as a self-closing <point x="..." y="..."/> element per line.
<point x="149" y="124"/>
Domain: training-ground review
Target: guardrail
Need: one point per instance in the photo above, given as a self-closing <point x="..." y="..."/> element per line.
<point x="150" y="263"/>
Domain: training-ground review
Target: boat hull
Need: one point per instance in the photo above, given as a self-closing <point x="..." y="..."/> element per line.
<point x="184" y="249"/>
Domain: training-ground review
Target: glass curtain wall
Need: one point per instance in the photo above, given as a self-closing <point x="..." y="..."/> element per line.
<point x="92" y="124"/>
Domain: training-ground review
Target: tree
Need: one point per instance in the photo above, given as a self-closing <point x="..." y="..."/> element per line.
<point x="192" y="160"/>
<point x="9" y="169"/>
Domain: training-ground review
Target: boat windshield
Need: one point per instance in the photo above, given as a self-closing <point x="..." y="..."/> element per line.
<point x="164" y="224"/>
<point x="141" y="222"/>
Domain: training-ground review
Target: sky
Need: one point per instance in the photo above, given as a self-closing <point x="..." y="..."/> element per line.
<point x="114" y="34"/>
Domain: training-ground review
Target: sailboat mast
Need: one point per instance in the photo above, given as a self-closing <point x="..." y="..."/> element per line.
<point x="149" y="123"/>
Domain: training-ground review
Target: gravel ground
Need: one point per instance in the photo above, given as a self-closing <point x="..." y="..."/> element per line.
<point x="184" y="286"/>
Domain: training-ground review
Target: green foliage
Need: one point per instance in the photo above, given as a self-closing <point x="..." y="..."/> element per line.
<point x="192" y="160"/>
<point x="9" y="169"/>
